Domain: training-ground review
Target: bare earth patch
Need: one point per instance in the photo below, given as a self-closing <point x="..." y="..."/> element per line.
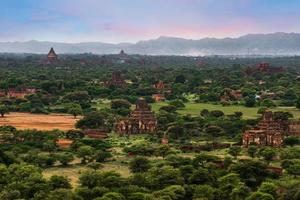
<point x="39" y="121"/>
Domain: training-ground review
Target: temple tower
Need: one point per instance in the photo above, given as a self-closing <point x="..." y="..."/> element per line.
<point x="52" y="56"/>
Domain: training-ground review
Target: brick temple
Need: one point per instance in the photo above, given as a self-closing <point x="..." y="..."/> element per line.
<point x="162" y="90"/>
<point x="265" y="68"/>
<point x="52" y="56"/>
<point x="234" y="95"/>
<point x="116" y="80"/>
<point x="271" y="131"/>
<point x="141" y="120"/>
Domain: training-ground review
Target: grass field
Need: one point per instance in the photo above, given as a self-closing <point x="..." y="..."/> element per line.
<point x="195" y="108"/>
<point x="249" y="113"/>
<point x="39" y="121"/>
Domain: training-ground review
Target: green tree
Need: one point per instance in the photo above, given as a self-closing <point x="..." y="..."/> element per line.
<point x="298" y="103"/>
<point x="57" y="182"/>
<point x="75" y="111"/>
<point x="86" y="153"/>
<point x="64" y="158"/>
<point x="268" y="154"/>
<point x="252" y="150"/>
<point x="260" y="196"/>
<point x="204" y="192"/>
<point x="92" y="120"/>
<point x="120" y="103"/>
<point x="250" y="101"/>
<point x="291" y="141"/>
<point x="3" y="110"/>
<point x="234" y="151"/>
<point x="139" y="164"/>
<point x="268" y="188"/>
<point x="294" y="169"/>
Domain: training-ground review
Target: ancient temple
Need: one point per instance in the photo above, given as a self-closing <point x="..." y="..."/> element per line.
<point x="271" y="131"/>
<point x="159" y="85"/>
<point x="141" y="120"/>
<point x="116" y="80"/>
<point x="265" y="68"/>
<point x="52" y="56"/>
<point x="162" y="90"/>
<point x="234" y="95"/>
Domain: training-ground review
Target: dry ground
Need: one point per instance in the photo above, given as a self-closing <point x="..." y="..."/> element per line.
<point x="39" y="121"/>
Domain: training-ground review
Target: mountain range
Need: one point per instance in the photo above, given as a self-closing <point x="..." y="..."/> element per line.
<point x="251" y="44"/>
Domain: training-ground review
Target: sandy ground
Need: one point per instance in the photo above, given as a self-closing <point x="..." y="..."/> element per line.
<point x="39" y="121"/>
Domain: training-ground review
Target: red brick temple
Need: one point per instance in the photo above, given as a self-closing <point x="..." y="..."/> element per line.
<point x="116" y="80"/>
<point x="141" y="120"/>
<point x="264" y="68"/>
<point x="232" y="95"/>
<point x="270" y="131"/>
<point x="162" y="90"/>
<point x="52" y="56"/>
<point x="160" y="85"/>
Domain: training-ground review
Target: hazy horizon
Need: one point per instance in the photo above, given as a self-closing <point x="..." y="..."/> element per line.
<point x="162" y="36"/>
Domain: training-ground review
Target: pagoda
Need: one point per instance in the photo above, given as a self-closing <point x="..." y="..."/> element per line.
<point x="271" y="131"/>
<point x="52" y="56"/>
<point x="141" y="120"/>
<point x="116" y="80"/>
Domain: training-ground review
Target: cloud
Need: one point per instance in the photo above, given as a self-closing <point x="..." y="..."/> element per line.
<point x="132" y="20"/>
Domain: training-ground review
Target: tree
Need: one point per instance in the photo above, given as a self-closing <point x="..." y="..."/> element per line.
<point x="65" y="194"/>
<point x="3" y="110"/>
<point x="252" y="150"/>
<point x="75" y="111"/>
<point x="268" y="154"/>
<point x="86" y="153"/>
<point x="216" y="113"/>
<point x="92" y="120"/>
<point x="291" y="141"/>
<point x="203" y="158"/>
<point x="298" y="103"/>
<point x="163" y="150"/>
<point x="102" y="156"/>
<point x="120" y="103"/>
<point x="79" y="97"/>
<point x="235" y="151"/>
<point x="64" y="158"/>
<point x="204" y="113"/>
<point x="139" y="164"/>
<point x="260" y="196"/>
<point x="168" y="108"/>
<point x="180" y="79"/>
<point x="113" y="196"/>
<point x="94" y="165"/>
<point x="177" y="104"/>
<point x="213" y="131"/>
<point x="201" y="176"/>
<point x="279" y="115"/>
<point x="294" y="169"/>
<point x="268" y="188"/>
<point x="57" y="182"/>
<point x="250" y="101"/>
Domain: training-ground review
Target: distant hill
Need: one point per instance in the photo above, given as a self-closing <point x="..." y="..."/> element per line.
<point x="259" y="44"/>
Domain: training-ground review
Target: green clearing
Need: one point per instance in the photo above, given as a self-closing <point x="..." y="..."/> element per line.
<point x="195" y="108"/>
<point x="74" y="171"/>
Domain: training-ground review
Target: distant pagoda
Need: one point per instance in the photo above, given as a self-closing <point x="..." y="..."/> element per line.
<point x="141" y="120"/>
<point x="52" y="56"/>
<point x="116" y="80"/>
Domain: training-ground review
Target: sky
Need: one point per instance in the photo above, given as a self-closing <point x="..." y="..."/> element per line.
<point x="115" y="21"/>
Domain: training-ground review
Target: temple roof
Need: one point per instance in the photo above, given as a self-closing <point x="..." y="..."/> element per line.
<point x="52" y="53"/>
